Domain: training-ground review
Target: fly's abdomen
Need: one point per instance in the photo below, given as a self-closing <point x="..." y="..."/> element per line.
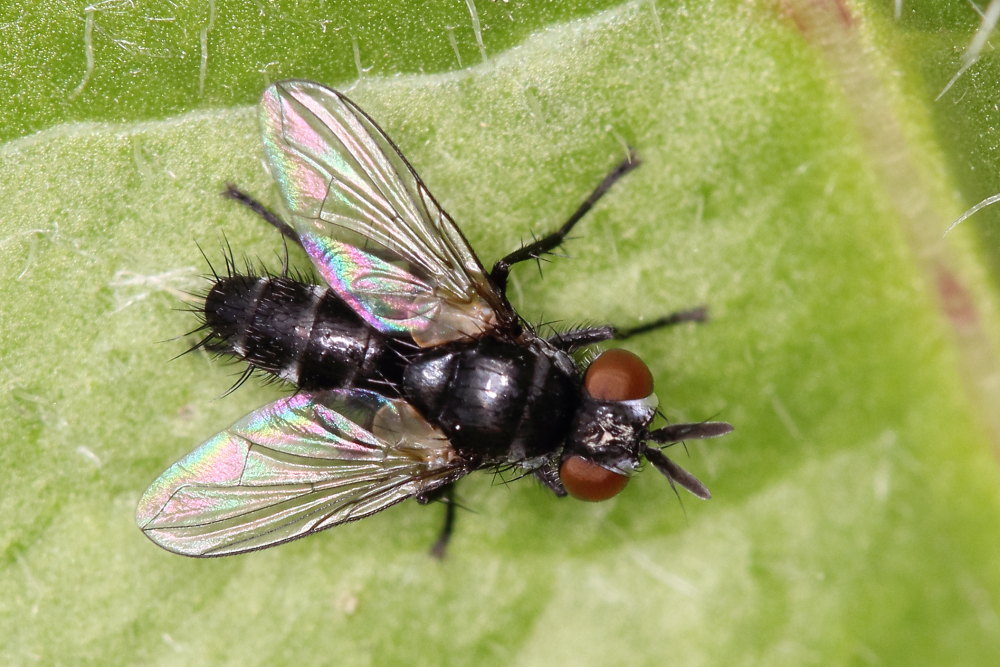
<point x="496" y="400"/>
<point x="299" y="332"/>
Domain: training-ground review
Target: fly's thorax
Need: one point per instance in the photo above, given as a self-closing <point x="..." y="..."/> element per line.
<point x="497" y="400"/>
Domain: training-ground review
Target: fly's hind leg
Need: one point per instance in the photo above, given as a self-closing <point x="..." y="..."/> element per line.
<point x="571" y="341"/>
<point x="445" y="494"/>
<point x="548" y="243"/>
<point x="269" y="216"/>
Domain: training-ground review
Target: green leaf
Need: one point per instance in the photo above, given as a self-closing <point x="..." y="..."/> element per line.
<point x="798" y="175"/>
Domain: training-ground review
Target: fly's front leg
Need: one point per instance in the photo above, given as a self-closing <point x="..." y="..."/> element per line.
<point x="570" y="341"/>
<point x="548" y="475"/>
<point x="699" y="314"/>
<point x="548" y="243"/>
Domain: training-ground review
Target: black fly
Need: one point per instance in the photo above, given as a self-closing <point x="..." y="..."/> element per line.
<point x="413" y="369"/>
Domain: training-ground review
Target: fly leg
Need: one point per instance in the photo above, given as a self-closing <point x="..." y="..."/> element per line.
<point x="548" y="475"/>
<point x="445" y="494"/>
<point x="548" y="243"/>
<point x="570" y="341"/>
<point x="269" y="216"/>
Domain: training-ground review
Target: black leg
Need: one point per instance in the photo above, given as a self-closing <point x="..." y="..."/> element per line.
<point x="699" y="314"/>
<point x="570" y="341"/>
<point x="447" y="496"/>
<point x="574" y="340"/>
<point x="270" y="217"/>
<point x="548" y="475"/>
<point x="548" y="243"/>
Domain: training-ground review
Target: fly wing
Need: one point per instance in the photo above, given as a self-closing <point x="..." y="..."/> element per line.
<point x="368" y="222"/>
<point x="295" y="467"/>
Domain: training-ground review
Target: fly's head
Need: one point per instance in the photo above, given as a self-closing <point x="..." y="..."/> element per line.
<point x="610" y="431"/>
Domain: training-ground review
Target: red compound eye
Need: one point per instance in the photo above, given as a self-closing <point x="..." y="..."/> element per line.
<point x="618" y="375"/>
<point x="587" y="481"/>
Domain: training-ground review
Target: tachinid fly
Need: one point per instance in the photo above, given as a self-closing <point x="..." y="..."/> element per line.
<point x="412" y="367"/>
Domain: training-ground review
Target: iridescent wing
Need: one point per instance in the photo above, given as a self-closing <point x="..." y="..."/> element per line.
<point x="294" y="467"/>
<point x="368" y="222"/>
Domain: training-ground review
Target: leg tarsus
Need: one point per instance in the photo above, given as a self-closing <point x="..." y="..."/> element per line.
<point x="269" y="216"/>
<point x="440" y="546"/>
<point x="534" y="250"/>
<point x="699" y="314"/>
<point x="571" y="341"/>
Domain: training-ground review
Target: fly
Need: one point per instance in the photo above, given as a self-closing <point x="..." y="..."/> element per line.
<point x="412" y="367"/>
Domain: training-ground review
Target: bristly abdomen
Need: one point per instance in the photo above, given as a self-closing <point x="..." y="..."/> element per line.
<point x="299" y="332"/>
